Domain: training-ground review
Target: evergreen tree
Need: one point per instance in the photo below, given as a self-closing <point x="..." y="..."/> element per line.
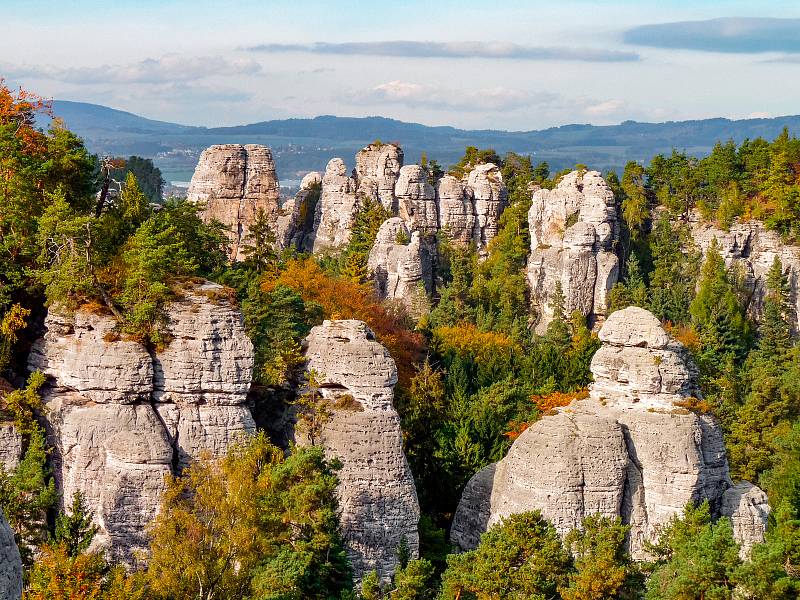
<point x="697" y="559"/>
<point x="75" y="529"/>
<point x="259" y="246"/>
<point x="520" y="558"/>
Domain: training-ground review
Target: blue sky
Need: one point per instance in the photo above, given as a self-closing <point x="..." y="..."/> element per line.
<point x="516" y="65"/>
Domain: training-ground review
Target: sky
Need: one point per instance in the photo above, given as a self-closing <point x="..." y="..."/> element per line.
<point x="516" y="65"/>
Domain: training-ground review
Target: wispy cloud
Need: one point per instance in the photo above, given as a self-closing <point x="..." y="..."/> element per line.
<point x="426" y="96"/>
<point x="421" y="49"/>
<point x="484" y="100"/>
<point x="732" y="35"/>
<point x="170" y="68"/>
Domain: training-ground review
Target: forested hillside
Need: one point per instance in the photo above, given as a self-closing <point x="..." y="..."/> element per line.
<point x="477" y="366"/>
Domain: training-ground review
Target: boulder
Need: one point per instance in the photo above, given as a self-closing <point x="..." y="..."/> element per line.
<point x="377" y="498"/>
<point x="234" y="182"/>
<point x="574" y="229"/>
<point x="400" y="266"/>
<point x="752" y="248"/>
<point x="490" y="198"/>
<point x="10" y="563"/>
<point x="377" y="169"/>
<point x="335" y="212"/>
<point x="631" y="449"/>
<point x="416" y="200"/>
<point x="748" y="509"/>
<point x="121" y="416"/>
<point x="456" y="209"/>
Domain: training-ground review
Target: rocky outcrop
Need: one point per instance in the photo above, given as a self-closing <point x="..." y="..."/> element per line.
<point x="336" y="210"/>
<point x="456" y="209"/>
<point x="377" y="499"/>
<point x="748" y="509"/>
<point x="416" y="200"/>
<point x="120" y="417"/>
<point x="10" y="446"/>
<point x="235" y="182"/>
<point x="377" y="169"/>
<point x="490" y="197"/>
<point x="400" y="266"/>
<point x="631" y="449"/>
<point x="574" y="229"/>
<point x="10" y="563"/>
<point x="751" y="247"/>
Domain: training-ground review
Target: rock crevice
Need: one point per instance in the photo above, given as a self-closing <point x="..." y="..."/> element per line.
<point x="120" y="418"/>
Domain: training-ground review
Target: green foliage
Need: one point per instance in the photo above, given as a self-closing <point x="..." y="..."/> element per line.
<point x="602" y="566"/>
<point x="75" y="529"/>
<point x="147" y="175"/>
<point x="259" y="246"/>
<point x="520" y="558"/>
<point x="252" y="524"/>
<point x="696" y="558"/>
<point x="414" y="581"/>
<point x="472" y="158"/>
<point x="369" y="218"/>
<point x="718" y="316"/>
<point x="26" y="494"/>
<point x="635" y="209"/>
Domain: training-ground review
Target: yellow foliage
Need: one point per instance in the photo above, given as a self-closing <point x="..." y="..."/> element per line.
<point x="466" y="339"/>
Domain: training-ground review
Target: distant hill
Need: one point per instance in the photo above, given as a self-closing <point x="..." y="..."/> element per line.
<point x="301" y="145"/>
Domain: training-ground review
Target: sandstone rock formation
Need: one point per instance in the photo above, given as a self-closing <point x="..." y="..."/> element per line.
<point x="235" y="182"/>
<point x="629" y="450"/>
<point x="377" y="169"/>
<point x="574" y="229"/>
<point x="120" y="417"/>
<point x="336" y="210"/>
<point x="489" y="196"/>
<point x="400" y="265"/>
<point x="377" y="499"/>
<point x="10" y="446"/>
<point x="456" y="209"/>
<point x="748" y="509"/>
<point x="416" y="200"/>
<point x="751" y="247"/>
<point x="10" y="563"/>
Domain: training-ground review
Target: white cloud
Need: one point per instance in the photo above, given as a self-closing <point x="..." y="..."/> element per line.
<point x="170" y="68"/>
<point x="427" y="96"/>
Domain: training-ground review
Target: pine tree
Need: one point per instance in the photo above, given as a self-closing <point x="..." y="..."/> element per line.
<point x="259" y="246"/>
<point x="75" y="529"/>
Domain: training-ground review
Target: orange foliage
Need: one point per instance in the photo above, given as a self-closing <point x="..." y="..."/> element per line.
<point x="547" y="405"/>
<point x="686" y="335"/>
<point x="465" y="338"/>
<point x="555" y="400"/>
<point x="517" y="428"/>
<point x="695" y="405"/>
<point x="344" y="299"/>
<point x="20" y="108"/>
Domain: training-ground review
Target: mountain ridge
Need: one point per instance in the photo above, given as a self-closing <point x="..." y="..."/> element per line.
<point x="304" y="144"/>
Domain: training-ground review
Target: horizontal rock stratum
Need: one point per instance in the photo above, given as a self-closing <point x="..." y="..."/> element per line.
<point x="631" y="449"/>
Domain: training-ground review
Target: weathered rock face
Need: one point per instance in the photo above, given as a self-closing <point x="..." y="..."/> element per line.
<point x="416" y="200"/>
<point x="235" y="182"/>
<point x="749" y="246"/>
<point x="336" y="210"/>
<point x="574" y="229"/>
<point x="377" y="499"/>
<point x="628" y="450"/>
<point x="10" y="446"/>
<point x="748" y="509"/>
<point x="456" y="209"/>
<point x="10" y="563"/>
<point x="120" y="418"/>
<point x="377" y="169"/>
<point x="400" y="266"/>
<point x="490" y="198"/>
